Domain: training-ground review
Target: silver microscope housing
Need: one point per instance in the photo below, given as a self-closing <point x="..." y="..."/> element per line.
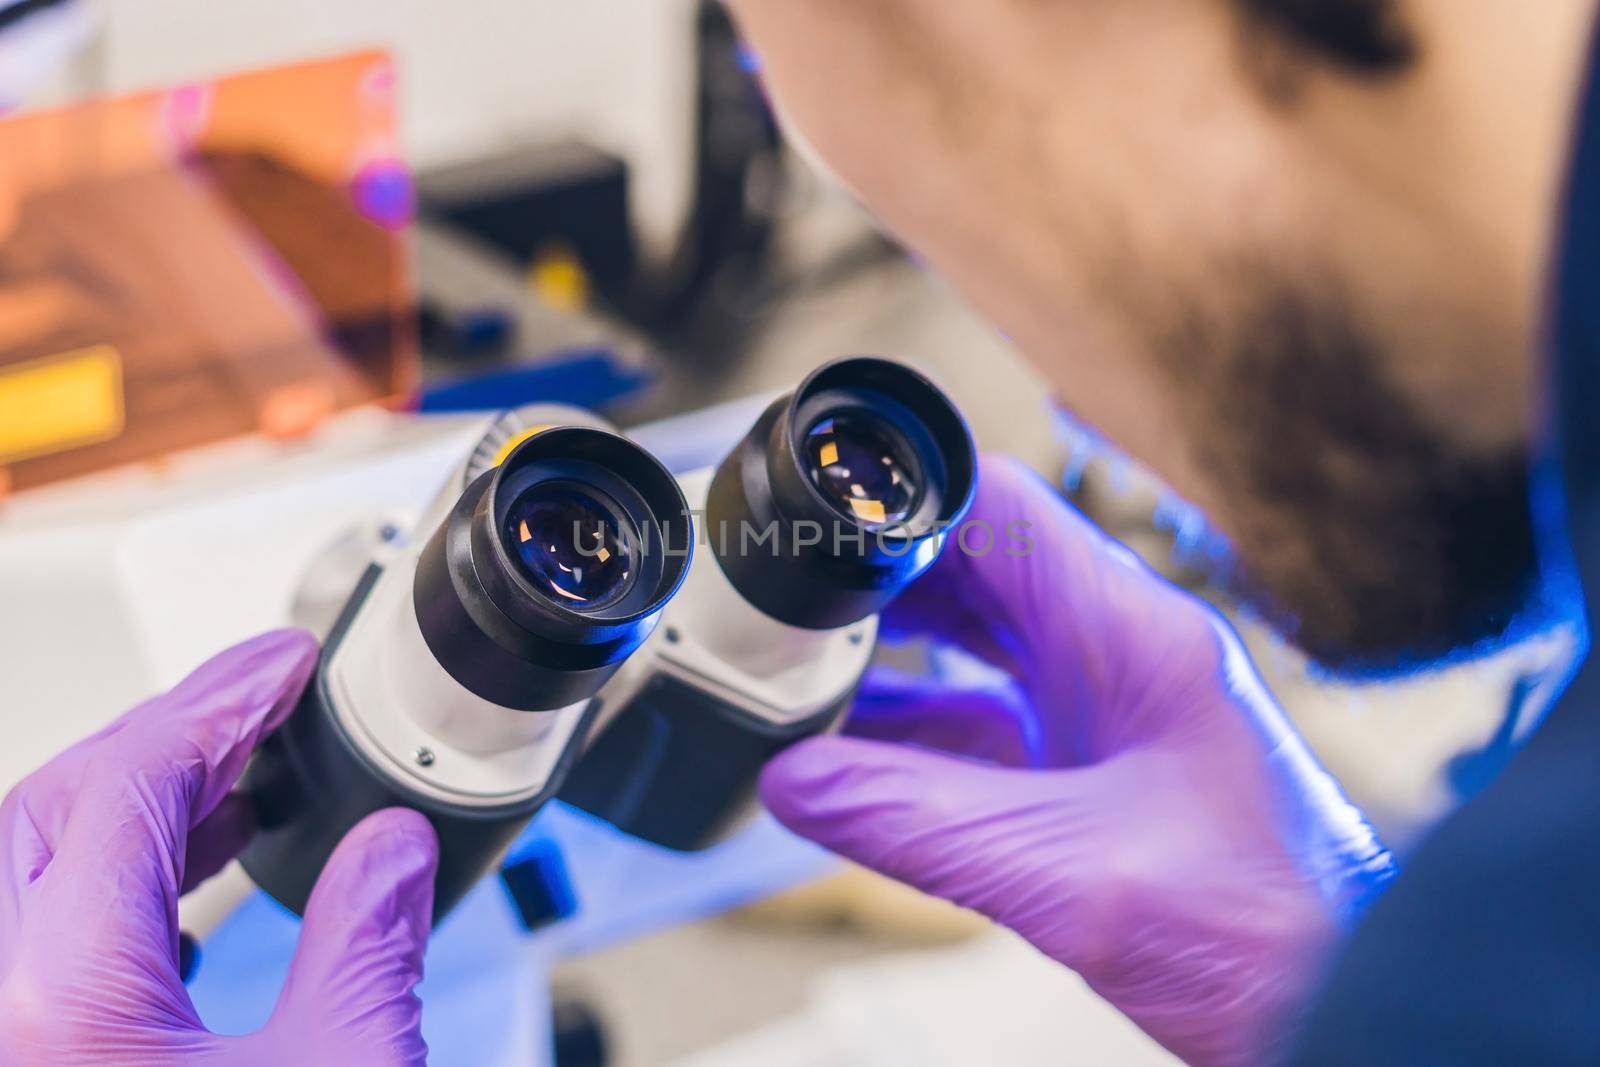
<point x="460" y="677"/>
<point x="840" y="496"/>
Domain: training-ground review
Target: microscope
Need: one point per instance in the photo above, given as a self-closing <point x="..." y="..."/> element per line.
<point x="568" y="629"/>
<point x="838" y="497"/>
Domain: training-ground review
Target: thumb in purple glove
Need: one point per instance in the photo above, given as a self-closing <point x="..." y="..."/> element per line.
<point x="96" y="847"/>
<point x="1128" y="799"/>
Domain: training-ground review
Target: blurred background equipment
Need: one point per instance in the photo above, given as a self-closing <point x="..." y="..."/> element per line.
<point x="221" y="304"/>
<point x="36" y="37"/>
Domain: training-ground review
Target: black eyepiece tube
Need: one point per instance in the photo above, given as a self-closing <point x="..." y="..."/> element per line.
<point x="552" y="568"/>
<point x="842" y="493"/>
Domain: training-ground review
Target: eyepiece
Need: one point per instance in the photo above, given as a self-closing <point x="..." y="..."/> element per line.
<point x="864" y="468"/>
<point x="841" y="494"/>
<point x="553" y="567"/>
<point x="573" y="542"/>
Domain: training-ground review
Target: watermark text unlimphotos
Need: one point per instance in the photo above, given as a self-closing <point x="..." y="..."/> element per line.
<point x="972" y="537"/>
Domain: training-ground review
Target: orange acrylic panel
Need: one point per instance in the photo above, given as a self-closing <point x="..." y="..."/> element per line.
<point x="186" y="265"/>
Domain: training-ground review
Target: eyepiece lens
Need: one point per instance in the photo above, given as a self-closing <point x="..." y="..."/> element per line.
<point x="864" y="468"/>
<point x="571" y="546"/>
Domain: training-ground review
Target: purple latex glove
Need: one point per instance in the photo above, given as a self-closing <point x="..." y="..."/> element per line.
<point x="97" y="846"/>
<point x="1126" y="795"/>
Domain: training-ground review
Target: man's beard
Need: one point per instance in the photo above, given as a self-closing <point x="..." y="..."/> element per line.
<point x="1361" y="530"/>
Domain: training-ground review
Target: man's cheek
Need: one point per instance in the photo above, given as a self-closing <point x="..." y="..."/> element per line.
<point x="795" y="136"/>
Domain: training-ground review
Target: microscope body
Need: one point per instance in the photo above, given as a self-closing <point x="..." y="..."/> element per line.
<point x="840" y="495"/>
<point x="564" y="627"/>
<point x="478" y="771"/>
<point x="685" y="727"/>
<point x="450" y="684"/>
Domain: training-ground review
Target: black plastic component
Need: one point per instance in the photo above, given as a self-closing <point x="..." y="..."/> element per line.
<point x="478" y="330"/>
<point x="578" y="1035"/>
<point x="22" y="10"/>
<point x="310" y="784"/>
<point x="678" y="766"/>
<point x="511" y="642"/>
<point x="786" y="546"/>
<point x="722" y="262"/>
<point x="188" y="956"/>
<point x="566" y="196"/>
<point x="539" y="886"/>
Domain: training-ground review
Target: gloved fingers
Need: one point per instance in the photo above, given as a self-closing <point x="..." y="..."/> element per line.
<point x="991" y="589"/>
<point x="220" y="837"/>
<point x="937" y="608"/>
<point x="361" y="945"/>
<point x="35" y="812"/>
<point x="1002" y="842"/>
<point x="1089" y="626"/>
<point x="175" y="757"/>
<point x="992" y="723"/>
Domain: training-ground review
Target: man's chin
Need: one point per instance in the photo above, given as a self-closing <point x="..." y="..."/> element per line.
<point x="1377" y="614"/>
<point x="1376" y="536"/>
<point x="1407" y="636"/>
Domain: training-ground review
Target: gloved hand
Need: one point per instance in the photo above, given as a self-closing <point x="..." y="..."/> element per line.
<point x="97" y="846"/>
<point x="1128" y="798"/>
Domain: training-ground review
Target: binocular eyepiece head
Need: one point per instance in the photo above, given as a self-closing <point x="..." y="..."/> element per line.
<point x="842" y="493"/>
<point x="553" y="567"/>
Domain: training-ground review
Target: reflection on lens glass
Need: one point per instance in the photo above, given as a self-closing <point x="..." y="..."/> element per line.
<point x="571" y="546"/>
<point x="863" y="468"/>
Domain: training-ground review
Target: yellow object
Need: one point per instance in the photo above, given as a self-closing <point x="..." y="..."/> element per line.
<point x="557" y="277"/>
<point x="60" y="402"/>
<point x="515" y="440"/>
<point x="868" y="510"/>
